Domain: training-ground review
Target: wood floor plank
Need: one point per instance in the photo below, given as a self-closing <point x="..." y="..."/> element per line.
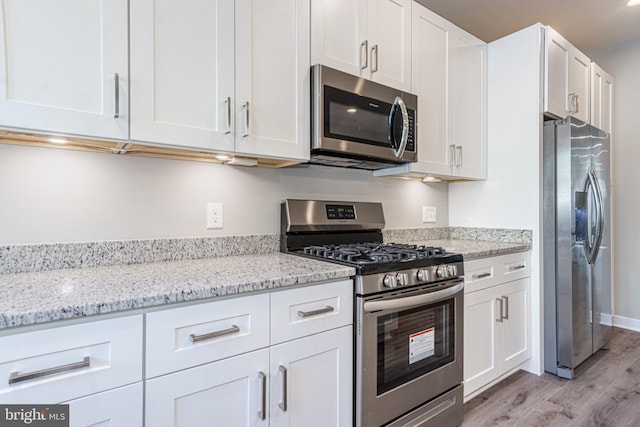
<point x="607" y="394"/>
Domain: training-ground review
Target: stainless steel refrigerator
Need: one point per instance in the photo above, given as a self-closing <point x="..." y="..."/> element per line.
<point x="576" y="243"/>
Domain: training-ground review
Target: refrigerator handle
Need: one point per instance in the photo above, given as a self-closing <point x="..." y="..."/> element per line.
<point x="591" y="250"/>
<point x="599" y="214"/>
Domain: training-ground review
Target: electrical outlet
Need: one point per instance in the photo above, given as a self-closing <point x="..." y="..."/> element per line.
<point x="214" y="215"/>
<point x="429" y="214"/>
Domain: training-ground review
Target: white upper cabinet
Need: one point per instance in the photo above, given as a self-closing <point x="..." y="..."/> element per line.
<point x="63" y="67"/>
<point x="273" y="78"/>
<point x="182" y="73"/>
<point x="370" y="38"/>
<point x="601" y="98"/>
<point x="222" y="75"/>
<point x="449" y="76"/>
<point x="468" y="105"/>
<point x="567" y="78"/>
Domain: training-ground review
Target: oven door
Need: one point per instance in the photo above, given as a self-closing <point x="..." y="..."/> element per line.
<point x="409" y="350"/>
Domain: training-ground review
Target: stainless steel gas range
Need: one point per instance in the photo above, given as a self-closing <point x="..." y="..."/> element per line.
<point x="408" y="312"/>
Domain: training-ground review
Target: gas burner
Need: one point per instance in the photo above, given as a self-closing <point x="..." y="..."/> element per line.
<point x="373" y="252"/>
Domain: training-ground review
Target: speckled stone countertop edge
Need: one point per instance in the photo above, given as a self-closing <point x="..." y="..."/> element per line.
<point x="49" y="296"/>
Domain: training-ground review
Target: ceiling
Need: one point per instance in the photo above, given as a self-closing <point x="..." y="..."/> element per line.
<point x="587" y="24"/>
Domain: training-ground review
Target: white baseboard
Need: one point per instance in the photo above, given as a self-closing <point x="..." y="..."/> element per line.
<point x="626" y="323"/>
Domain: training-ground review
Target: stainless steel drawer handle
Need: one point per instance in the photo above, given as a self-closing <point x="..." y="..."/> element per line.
<point x="17" y="377"/>
<point x="516" y="267"/>
<point x="327" y="309"/>
<point x="228" y="102"/>
<point x="232" y="330"/>
<point x="500" y="302"/>
<point x="506" y="308"/>
<point x="262" y="413"/>
<point x="283" y="403"/>
<point x="480" y="276"/>
<point x="116" y="113"/>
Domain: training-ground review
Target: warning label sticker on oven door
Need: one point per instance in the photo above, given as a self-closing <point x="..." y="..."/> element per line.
<point x="421" y="345"/>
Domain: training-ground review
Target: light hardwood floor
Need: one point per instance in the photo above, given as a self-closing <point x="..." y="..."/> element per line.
<point x="607" y="394"/>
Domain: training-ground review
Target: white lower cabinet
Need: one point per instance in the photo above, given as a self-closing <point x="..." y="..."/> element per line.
<point x="312" y="380"/>
<point x="292" y="364"/>
<point x="497" y="327"/>
<point x="121" y="407"/>
<point x="224" y="393"/>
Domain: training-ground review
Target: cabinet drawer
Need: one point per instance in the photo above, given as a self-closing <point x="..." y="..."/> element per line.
<point x="59" y="364"/>
<point x="515" y="266"/>
<point x="480" y="274"/>
<point x="183" y="337"/>
<point x="486" y="272"/>
<point x="304" y="311"/>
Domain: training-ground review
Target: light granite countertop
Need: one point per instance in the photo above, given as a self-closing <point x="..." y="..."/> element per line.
<point x="45" y="283"/>
<point x="472" y="249"/>
<point x="40" y="297"/>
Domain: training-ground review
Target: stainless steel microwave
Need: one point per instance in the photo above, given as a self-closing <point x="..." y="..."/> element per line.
<point x="359" y="123"/>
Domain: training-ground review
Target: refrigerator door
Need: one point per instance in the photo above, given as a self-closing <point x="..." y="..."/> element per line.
<point x="573" y="220"/>
<point x="601" y="268"/>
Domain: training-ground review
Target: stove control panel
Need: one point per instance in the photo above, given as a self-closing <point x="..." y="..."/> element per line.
<point x="414" y="276"/>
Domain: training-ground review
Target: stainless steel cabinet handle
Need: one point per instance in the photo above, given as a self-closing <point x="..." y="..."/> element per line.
<point x="364" y="47"/>
<point x="506" y="308"/>
<point x="228" y="102"/>
<point x="262" y="413"/>
<point x="232" y="330"/>
<point x="283" y="403"/>
<point x="17" y="377"/>
<point x="499" y="319"/>
<point x="327" y="309"/>
<point x="374" y="53"/>
<point x="245" y="106"/>
<point x="480" y="276"/>
<point x="517" y="267"/>
<point x="452" y="155"/>
<point x="116" y="78"/>
<point x="459" y="156"/>
<point x="574" y="104"/>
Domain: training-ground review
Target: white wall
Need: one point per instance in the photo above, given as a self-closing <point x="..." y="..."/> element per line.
<point x="511" y="195"/>
<point x="623" y="62"/>
<point x="52" y="195"/>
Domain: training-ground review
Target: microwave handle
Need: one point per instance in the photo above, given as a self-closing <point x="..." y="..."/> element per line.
<point x="398" y="149"/>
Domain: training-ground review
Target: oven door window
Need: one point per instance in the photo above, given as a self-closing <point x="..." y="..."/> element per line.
<point x="414" y="342"/>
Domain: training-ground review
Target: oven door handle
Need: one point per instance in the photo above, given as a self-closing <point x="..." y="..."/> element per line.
<point x="411" y="301"/>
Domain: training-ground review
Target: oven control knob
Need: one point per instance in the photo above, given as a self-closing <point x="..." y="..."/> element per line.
<point x="452" y="270"/>
<point x="403" y="279"/>
<point x="442" y="271"/>
<point x="423" y="275"/>
<point x="390" y="281"/>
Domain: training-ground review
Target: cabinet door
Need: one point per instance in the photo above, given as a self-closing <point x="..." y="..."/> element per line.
<point x="556" y="78"/>
<point x="389" y="26"/>
<point x="580" y="84"/>
<point x="481" y="317"/>
<point x="231" y="392"/>
<point x="601" y="98"/>
<point x="58" y="66"/>
<point x="121" y="407"/>
<point x="273" y="78"/>
<point x="468" y="104"/>
<point x="430" y="42"/>
<point x="515" y="326"/>
<point x="339" y="35"/>
<point x="312" y="380"/>
<point x="182" y="73"/>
